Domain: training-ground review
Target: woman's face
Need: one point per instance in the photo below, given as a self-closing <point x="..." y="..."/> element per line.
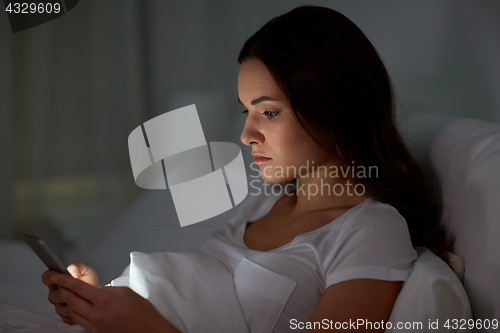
<point x="270" y="129"/>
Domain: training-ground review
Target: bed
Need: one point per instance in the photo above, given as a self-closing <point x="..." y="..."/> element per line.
<point x="460" y="157"/>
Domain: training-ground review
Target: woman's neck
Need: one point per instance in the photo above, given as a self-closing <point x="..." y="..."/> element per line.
<point x="322" y="193"/>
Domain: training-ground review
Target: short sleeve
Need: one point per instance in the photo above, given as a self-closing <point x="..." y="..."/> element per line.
<point x="372" y="244"/>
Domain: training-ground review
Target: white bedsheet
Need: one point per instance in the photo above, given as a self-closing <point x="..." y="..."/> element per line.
<point x="17" y="320"/>
<point x="24" y="308"/>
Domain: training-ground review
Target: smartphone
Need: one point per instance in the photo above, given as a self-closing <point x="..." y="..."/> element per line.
<point x="49" y="258"/>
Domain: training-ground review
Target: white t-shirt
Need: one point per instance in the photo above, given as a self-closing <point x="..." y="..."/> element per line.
<point x="283" y="286"/>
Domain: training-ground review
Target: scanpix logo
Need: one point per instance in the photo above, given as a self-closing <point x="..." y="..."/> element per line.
<point x="205" y="179"/>
<point x="28" y="14"/>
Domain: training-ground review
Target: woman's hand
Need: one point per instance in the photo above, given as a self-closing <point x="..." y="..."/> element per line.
<point x="106" y="309"/>
<point x="79" y="270"/>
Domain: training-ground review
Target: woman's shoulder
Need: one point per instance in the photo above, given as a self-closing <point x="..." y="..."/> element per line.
<point x="372" y="243"/>
<point x="370" y="217"/>
<point x="371" y="224"/>
<point x="375" y="216"/>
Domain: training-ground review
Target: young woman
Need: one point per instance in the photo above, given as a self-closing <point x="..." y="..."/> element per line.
<point x="320" y="114"/>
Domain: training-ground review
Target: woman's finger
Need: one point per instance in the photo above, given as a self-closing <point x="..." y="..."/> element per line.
<point x="75" y="269"/>
<point x="67" y="320"/>
<point x="75" y="303"/>
<point x="62" y="310"/>
<point x="47" y="279"/>
<point x="55" y="296"/>
<point x="78" y="319"/>
<point x="80" y="288"/>
<point x="82" y="271"/>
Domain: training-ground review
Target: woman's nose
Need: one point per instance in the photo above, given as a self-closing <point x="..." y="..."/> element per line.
<point x="251" y="133"/>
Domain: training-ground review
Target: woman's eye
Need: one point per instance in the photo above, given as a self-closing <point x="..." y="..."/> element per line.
<point x="270" y="114"/>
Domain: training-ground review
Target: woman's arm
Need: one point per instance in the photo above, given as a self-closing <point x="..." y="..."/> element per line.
<point x="105" y="309"/>
<point x="367" y="299"/>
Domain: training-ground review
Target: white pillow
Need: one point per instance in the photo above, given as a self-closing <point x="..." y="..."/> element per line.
<point x="193" y="290"/>
<point x="431" y="293"/>
<point x="466" y="157"/>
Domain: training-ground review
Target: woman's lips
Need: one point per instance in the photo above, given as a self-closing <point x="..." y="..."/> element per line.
<point x="261" y="159"/>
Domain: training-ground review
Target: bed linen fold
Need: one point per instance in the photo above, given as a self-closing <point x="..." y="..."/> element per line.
<point x="193" y="290"/>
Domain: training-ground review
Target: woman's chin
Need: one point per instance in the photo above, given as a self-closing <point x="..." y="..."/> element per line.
<point x="272" y="180"/>
<point x="275" y="180"/>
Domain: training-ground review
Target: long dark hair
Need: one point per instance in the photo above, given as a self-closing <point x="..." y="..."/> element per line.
<point x="340" y="93"/>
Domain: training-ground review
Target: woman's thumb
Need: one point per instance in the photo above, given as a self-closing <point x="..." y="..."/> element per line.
<point x="76" y="269"/>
